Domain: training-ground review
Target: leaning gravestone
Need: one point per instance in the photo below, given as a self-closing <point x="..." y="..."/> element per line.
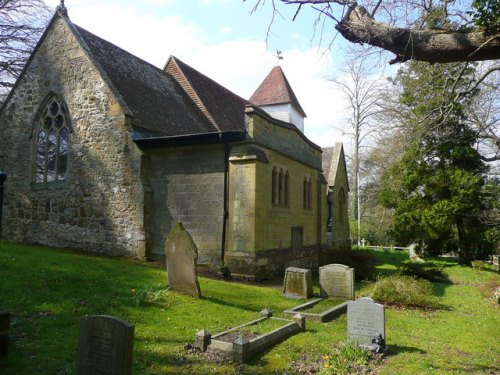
<point x="105" y="346"/>
<point x="181" y="254"/>
<point x="366" y="321"/>
<point x="336" y="280"/>
<point x="297" y="283"/>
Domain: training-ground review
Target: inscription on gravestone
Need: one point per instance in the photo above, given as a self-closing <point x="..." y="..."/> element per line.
<point x="336" y="280"/>
<point x="365" y="319"/>
<point x="105" y="346"/>
<point x="297" y="283"/>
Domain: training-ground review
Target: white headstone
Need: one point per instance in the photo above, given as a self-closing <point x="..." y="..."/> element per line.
<point x="365" y="319"/>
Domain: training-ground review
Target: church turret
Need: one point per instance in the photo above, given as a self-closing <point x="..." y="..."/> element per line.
<point x="276" y="97"/>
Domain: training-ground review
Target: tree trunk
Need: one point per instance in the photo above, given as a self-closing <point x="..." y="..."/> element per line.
<point x="431" y="45"/>
<point x="464" y="255"/>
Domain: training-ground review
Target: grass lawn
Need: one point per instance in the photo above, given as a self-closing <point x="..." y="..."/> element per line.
<point x="48" y="290"/>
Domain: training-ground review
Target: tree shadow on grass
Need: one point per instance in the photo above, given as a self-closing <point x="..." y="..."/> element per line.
<point x="399" y="349"/>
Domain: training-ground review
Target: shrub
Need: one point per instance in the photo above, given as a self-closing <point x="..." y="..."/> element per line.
<point x="362" y="261"/>
<point x="403" y="290"/>
<point x="478" y="264"/>
<point x="427" y="270"/>
<point x="345" y="359"/>
<point x="149" y="294"/>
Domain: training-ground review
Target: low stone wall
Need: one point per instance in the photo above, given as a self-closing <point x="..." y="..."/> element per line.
<point x="323" y="317"/>
<point x="270" y="263"/>
<point x="243" y="349"/>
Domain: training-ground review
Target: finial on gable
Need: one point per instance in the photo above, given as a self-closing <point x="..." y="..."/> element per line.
<point x="278" y="57"/>
<point x="61" y="8"/>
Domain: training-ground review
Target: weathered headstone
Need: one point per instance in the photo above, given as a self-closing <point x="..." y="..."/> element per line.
<point x="336" y="280"/>
<point x="496" y="262"/>
<point x="297" y="283"/>
<point x="4" y="332"/>
<point x="181" y="254"/>
<point x="366" y="321"/>
<point x="105" y="346"/>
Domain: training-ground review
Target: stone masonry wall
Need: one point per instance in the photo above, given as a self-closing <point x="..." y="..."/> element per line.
<point x="260" y="231"/>
<point x="98" y="207"/>
<point x="187" y="185"/>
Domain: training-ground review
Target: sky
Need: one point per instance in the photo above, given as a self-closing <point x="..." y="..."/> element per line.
<point x="224" y="41"/>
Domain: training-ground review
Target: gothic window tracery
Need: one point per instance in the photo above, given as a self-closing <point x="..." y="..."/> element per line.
<point x="52" y="142"/>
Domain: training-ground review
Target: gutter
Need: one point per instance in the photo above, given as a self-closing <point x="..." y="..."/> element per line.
<point x="191" y="139"/>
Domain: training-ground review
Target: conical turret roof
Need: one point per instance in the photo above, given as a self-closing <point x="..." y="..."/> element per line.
<point x="275" y="89"/>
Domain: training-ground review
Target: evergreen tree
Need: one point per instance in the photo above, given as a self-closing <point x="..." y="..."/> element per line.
<point x="437" y="189"/>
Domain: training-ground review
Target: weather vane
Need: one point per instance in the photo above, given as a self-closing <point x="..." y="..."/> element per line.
<point x="278" y="56"/>
<point x="62" y="8"/>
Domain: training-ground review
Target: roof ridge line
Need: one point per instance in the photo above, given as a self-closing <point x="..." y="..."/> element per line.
<point x="192" y="93"/>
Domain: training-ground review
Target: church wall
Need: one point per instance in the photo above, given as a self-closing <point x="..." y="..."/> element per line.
<point x="98" y="207"/>
<point x="260" y="230"/>
<point x="340" y="224"/>
<point x="185" y="184"/>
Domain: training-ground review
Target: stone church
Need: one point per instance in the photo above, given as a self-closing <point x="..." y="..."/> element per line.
<point x="105" y="153"/>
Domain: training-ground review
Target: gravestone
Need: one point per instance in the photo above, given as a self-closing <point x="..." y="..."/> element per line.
<point x="105" y="346"/>
<point x="496" y="262"/>
<point x="365" y="321"/>
<point x="336" y="280"/>
<point x="181" y="254"/>
<point x="297" y="283"/>
<point x="4" y="332"/>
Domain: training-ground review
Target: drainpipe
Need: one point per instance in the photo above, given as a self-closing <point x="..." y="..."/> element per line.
<point x="226" y="202"/>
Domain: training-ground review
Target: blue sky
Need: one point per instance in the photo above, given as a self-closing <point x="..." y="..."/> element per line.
<point x="224" y="41"/>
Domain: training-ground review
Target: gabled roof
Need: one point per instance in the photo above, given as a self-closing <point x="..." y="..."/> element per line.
<point x="156" y="101"/>
<point x="275" y="89"/>
<point x="224" y="109"/>
<point x="331" y="159"/>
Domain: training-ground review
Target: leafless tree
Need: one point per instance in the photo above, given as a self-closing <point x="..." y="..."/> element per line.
<point x="362" y="91"/>
<point x="399" y="27"/>
<point x="21" y="25"/>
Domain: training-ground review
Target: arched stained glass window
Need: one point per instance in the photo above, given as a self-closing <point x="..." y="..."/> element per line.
<point x="52" y="142"/>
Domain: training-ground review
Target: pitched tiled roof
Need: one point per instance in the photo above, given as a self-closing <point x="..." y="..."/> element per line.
<point x="275" y="89"/>
<point x="331" y="158"/>
<point x="223" y="108"/>
<point x="156" y="101"/>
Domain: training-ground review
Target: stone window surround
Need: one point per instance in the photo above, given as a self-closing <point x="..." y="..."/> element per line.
<point x="280" y="187"/>
<point x="37" y="125"/>
<point x="307" y="193"/>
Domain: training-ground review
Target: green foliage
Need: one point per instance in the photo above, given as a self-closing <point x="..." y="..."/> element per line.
<point x="404" y="291"/>
<point x="437" y="188"/>
<point x="486" y="13"/>
<point x="345" y="359"/>
<point x="427" y="270"/>
<point x="149" y="294"/>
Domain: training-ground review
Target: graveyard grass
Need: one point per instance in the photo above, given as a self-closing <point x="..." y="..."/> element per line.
<point x="48" y="290"/>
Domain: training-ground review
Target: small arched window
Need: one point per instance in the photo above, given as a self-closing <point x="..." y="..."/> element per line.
<point x="281" y="187"/>
<point x="274" y="187"/>
<point x="286" y="194"/>
<point x="52" y="142"/>
<point x="309" y="193"/>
